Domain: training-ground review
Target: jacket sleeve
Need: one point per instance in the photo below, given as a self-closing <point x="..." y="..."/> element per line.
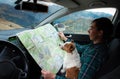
<point x="60" y="77"/>
<point x="92" y="62"/>
<point x="80" y="48"/>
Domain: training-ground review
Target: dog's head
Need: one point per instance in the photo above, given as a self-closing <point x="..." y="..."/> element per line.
<point x="68" y="46"/>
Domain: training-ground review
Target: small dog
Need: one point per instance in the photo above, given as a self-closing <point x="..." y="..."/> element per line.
<point x="71" y="62"/>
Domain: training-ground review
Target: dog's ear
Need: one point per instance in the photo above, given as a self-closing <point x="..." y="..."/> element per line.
<point x="71" y="47"/>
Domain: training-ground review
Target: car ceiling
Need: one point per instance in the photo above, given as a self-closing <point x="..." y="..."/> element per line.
<point x="76" y="5"/>
<point x="86" y="4"/>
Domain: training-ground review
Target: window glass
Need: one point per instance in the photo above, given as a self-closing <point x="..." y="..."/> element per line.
<point x="10" y="18"/>
<point x="79" y="22"/>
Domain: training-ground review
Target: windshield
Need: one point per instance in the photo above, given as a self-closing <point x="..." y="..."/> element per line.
<point x="10" y="18"/>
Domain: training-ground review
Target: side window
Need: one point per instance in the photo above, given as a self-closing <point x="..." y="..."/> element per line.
<point x="79" y="22"/>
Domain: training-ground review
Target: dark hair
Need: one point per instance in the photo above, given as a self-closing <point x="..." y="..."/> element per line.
<point x="106" y="25"/>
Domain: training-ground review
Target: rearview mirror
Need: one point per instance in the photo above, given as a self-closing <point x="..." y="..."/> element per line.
<point x="34" y="7"/>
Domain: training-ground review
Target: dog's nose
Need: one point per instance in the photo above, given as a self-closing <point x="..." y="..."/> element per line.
<point x="59" y="44"/>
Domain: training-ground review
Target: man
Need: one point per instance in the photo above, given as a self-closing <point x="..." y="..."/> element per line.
<point x="93" y="54"/>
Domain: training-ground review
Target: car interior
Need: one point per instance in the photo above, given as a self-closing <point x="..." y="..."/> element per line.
<point x="25" y="67"/>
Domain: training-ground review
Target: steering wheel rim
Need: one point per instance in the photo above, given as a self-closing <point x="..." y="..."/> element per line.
<point x="9" y="51"/>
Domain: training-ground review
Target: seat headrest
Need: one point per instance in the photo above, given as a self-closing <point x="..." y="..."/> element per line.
<point x="117" y="30"/>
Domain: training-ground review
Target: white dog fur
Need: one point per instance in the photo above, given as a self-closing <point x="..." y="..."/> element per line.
<point x="72" y="58"/>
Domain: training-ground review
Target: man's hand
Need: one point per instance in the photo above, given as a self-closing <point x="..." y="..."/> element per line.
<point x="62" y="36"/>
<point x="47" y="74"/>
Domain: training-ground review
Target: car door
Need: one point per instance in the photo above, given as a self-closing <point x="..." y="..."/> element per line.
<point x="75" y="25"/>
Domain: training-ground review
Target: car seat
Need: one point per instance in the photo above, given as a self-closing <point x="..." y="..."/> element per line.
<point x="113" y="62"/>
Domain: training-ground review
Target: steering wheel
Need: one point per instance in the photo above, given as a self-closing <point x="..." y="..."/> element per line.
<point x="12" y="53"/>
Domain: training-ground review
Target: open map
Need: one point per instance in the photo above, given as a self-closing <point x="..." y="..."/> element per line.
<point x="43" y="45"/>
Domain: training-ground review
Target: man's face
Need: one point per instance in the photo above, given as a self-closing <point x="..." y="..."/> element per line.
<point x="94" y="34"/>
